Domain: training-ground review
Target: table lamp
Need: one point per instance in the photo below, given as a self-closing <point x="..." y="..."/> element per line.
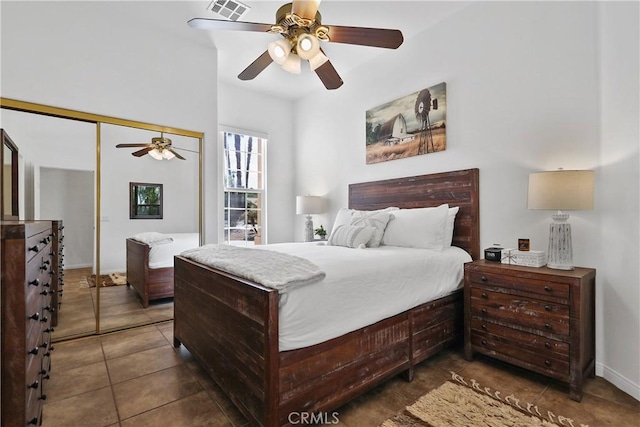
<point x="561" y="190"/>
<point x="309" y="205"/>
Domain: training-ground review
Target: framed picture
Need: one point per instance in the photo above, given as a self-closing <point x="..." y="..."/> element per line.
<point x="409" y="126"/>
<point x="145" y="200"/>
<point x="523" y="244"/>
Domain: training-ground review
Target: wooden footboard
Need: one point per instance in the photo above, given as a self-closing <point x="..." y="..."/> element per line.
<point x="230" y="326"/>
<point x="150" y="284"/>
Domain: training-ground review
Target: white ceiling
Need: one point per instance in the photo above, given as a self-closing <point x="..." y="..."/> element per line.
<point x="238" y="49"/>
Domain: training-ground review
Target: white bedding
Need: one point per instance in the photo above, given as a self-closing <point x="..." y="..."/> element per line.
<point x="362" y="287"/>
<point x="161" y="256"/>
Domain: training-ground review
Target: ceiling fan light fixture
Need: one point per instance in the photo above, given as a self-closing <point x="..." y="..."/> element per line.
<point x="316" y="61"/>
<point x="155" y="154"/>
<point x="166" y="154"/>
<point x="292" y="64"/>
<point x="308" y="46"/>
<point x="279" y="51"/>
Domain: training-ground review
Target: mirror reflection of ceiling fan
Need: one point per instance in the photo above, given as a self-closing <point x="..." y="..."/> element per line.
<point x="300" y="25"/>
<point x="160" y="148"/>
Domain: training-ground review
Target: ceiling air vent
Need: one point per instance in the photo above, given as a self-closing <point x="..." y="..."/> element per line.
<point x="228" y="9"/>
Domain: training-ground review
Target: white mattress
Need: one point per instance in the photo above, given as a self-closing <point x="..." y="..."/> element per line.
<point x="161" y="256"/>
<point x="362" y="287"/>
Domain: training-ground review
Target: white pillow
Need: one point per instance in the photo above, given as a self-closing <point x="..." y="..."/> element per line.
<point x="448" y="226"/>
<point x="417" y="228"/>
<point x="342" y="218"/>
<point x="376" y="219"/>
<point x="351" y="236"/>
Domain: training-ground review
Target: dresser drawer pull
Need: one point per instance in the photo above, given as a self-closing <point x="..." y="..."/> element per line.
<point x="46" y="261"/>
<point x="33" y="421"/>
<point x="484" y="311"/>
<point x="49" y="309"/>
<point x="547" y="345"/>
<point x="45" y="344"/>
<point x="547" y="363"/>
<point x="483" y="278"/>
<point x="547" y="326"/>
<point x="49" y="330"/>
<point x="44" y="319"/>
<point x="43" y="267"/>
<point x="44" y="293"/>
<point x="47" y="285"/>
<point x="34" y="385"/>
<point x="34" y="248"/>
<point x="484" y="327"/>
<point x="484" y="295"/>
<point x="35" y="316"/>
<point x="34" y="282"/>
<point x="34" y="350"/>
<point x="43" y="397"/>
<point x="484" y="342"/>
<point x="547" y="307"/>
<point x="548" y="288"/>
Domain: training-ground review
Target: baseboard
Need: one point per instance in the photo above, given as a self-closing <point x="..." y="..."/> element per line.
<point x="72" y="267"/>
<point x="618" y="380"/>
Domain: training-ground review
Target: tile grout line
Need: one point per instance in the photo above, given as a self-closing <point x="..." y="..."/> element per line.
<point x="113" y="394"/>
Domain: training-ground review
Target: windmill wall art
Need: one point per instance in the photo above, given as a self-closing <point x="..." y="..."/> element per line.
<point x="409" y="126"/>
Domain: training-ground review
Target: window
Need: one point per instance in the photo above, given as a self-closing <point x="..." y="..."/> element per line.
<point x="145" y="201"/>
<point x="244" y="188"/>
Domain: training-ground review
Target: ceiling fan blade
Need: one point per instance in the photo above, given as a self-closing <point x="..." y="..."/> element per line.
<point x="176" y="154"/>
<point x="221" y="24"/>
<point x="132" y="145"/>
<point x="376" y="37"/>
<point x="329" y="76"/>
<point x="305" y="8"/>
<point x="142" y="152"/>
<point x="256" y="67"/>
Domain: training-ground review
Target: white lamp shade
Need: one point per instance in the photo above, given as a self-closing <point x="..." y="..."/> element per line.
<point x="308" y="46"/>
<point x="317" y="60"/>
<point x="292" y="64"/>
<point x="309" y="205"/>
<point x="167" y="154"/>
<point x="306" y="8"/>
<point x="279" y="51"/>
<point x="561" y="190"/>
<point x="155" y="154"/>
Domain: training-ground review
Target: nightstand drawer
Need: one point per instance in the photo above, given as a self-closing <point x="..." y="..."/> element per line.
<point x="505" y="281"/>
<point x="528" y="314"/>
<point x="513" y="351"/>
<point x="536" y="343"/>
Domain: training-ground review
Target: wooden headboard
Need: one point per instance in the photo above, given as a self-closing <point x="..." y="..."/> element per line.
<point x="457" y="188"/>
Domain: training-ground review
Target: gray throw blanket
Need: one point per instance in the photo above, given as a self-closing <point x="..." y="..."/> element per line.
<point x="272" y="269"/>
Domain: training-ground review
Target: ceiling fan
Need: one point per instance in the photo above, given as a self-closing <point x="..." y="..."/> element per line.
<point x="160" y="148"/>
<point x="300" y="25"/>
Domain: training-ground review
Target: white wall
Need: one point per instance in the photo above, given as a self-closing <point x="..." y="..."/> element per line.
<point x="522" y="96"/>
<point x="619" y="201"/>
<point x="245" y="109"/>
<point x="134" y="60"/>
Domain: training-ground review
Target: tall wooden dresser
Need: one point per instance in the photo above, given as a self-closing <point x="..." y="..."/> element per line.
<point x="57" y="270"/>
<point x="26" y="319"/>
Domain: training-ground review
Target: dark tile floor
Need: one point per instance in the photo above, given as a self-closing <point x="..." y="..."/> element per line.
<point x="137" y="378"/>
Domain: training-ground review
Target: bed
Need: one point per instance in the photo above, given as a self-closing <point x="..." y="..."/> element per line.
<point x="150" y="265"/>
<point x="231" y="325"/>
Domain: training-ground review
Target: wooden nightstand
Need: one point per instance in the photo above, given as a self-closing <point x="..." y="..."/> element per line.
<point x="537" y="318"/>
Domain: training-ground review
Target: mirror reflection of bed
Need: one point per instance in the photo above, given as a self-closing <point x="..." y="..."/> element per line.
<point x="59" y="181"/>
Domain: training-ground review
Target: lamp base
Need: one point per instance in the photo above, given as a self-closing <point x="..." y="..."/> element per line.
<point x="560" y="253"/>
<point x="308" y="229"/>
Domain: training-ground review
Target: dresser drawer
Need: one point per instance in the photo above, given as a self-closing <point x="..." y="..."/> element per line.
<point x="536" y="343"/>
<point x="37" y="244"/>
<point x="496" y="282"/>
<point x="512" y="351"/>
<point x="529" y="314"/>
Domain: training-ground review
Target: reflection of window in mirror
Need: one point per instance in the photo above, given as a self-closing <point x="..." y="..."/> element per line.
<point x="145" y="200"/>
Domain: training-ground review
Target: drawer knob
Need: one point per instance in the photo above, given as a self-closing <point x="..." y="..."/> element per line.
<point x="45" y="293"/>
<point x="49" y="309"/>
<point x="547" y="345"/>
<point x="33" y="421"/>
<point x="484" y="342"/>
<point x="35" y="316"/>
<point x="547" y="288"/>
<point x="547" y="307"/>
<point x="484" y="311"/>
<point x="547" y="363"/>
<point x="34" y="385"/>
<point x="547" y="326"/>
<point x="46" y="261"/>
<point x="47" y="285"/>
<point x="49" y="330"/>
<point x="483" y="278"/>
<point x="44" y="319"/>
<point x="484" y="327"/>
<point x="34" y="282"/>
<point x="43" y="397"/>
<point x="34" y="248"/>
<point x="484" y="295"/>
<point x="34" y="350"/>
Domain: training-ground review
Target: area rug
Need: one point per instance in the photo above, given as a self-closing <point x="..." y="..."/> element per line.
<point x="457" y="403"/>
<point x="114" y="279"/>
